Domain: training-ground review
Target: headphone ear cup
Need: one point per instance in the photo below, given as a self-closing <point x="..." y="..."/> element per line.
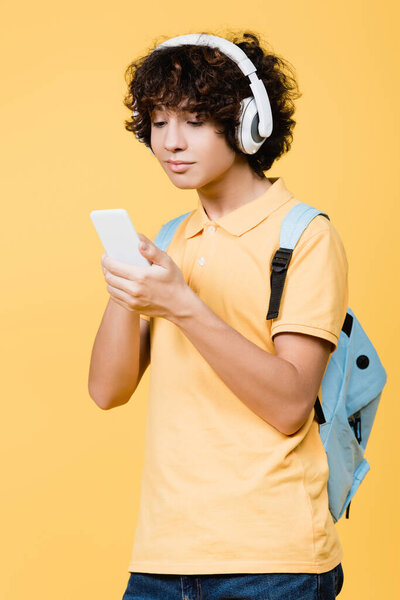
<point x="247" y="136"/>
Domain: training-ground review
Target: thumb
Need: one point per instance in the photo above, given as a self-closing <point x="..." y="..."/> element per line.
<point x="152" y="252"/>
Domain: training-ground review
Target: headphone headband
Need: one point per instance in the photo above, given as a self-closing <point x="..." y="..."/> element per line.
<point x="244" y="63"/>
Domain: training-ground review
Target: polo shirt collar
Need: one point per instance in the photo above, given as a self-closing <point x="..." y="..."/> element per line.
<point x="244" y="217"/>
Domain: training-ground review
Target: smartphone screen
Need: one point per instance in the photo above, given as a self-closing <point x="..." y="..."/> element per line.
<point x="118" y="235"/>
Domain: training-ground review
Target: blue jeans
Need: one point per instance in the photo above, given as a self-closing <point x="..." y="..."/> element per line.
<point x="236" y="586"/>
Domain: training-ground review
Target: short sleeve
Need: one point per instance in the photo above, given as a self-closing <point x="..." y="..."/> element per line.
<point x="315" y="294"/>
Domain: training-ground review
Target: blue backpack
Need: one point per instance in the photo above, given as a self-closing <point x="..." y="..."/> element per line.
<point x="353" y="381"/>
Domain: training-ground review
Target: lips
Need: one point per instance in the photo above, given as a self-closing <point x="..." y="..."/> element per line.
<point x="178" y="167"/>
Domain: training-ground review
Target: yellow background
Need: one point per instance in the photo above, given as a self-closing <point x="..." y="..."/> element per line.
<point x="70" y="471"/>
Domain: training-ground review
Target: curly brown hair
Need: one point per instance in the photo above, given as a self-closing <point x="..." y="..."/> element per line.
<point x="210" y="84"/>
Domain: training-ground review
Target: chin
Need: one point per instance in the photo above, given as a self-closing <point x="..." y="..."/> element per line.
<point x="184" y="181"/>
<point x="182" y="185"/>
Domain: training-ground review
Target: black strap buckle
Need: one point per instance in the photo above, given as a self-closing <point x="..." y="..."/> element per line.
<point x="355" y="424"/>
<point x="319" y="412"/>
<point x="281" y="259"/>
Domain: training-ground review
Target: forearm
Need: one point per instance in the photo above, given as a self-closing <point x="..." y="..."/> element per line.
<point x="114" y="364"/>
<point x="266" y="383"/>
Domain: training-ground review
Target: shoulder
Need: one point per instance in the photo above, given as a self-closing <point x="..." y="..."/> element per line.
<point x="177" y="220"/>
<point x="320" y="236"/>
<point x="320" y="227"/>
<point x="168" y="229"/>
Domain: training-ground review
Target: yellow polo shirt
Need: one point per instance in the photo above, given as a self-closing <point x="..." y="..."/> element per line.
<point x="223" y="491"/>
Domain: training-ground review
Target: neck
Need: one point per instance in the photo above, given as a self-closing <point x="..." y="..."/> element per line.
<point x="235" y="187"/>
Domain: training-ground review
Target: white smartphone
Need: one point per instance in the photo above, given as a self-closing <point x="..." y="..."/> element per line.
<point x="118" y="235"/>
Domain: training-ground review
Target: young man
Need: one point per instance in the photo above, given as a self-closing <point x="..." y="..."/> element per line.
<point x="234" y="497"/>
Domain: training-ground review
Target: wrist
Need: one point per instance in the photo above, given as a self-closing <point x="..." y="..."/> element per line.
<point x="185" y="306"/>
<point x="114" y="303"/>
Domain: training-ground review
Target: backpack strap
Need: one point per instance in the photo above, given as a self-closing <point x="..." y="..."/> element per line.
<point x="292" y="226"/>
<point x="167" y="231"/>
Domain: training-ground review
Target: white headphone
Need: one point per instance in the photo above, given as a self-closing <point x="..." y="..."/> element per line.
<point x="255" y="114"/>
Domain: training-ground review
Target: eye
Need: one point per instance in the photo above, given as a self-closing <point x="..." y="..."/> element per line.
<point x="195" y="123"/>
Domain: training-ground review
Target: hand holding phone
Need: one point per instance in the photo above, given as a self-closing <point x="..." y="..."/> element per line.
<point x="159" y="291"/>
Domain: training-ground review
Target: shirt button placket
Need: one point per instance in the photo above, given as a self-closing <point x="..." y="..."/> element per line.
<point x="208" y="229"/>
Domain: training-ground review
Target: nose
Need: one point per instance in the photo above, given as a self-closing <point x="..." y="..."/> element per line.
<point x="174" y="137"/>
